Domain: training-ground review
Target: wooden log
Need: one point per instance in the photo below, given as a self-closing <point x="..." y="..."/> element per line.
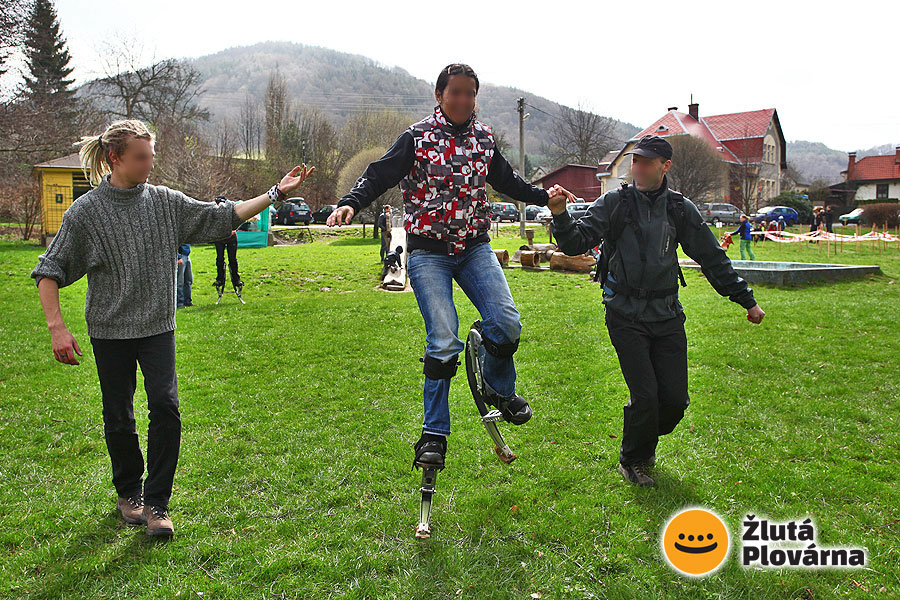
<point x="529" y="258"/>
<point x="502" y="256"/>
<point x="583" y="263"/>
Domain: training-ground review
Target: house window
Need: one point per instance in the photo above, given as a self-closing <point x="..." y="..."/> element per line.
<point x="881" y="190"/>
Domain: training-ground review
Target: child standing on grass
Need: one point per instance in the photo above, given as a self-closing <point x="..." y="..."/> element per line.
<point x="123" y="235"/>
<point x="746" y="236"/>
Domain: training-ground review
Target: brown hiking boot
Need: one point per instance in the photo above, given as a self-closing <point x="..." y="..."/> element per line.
<point x="637" y="474"/>
<point x="132" y="509"/>
<point x="158" y="521"/>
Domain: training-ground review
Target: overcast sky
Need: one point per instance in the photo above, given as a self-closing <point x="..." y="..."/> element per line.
<point x="830" y="68"/>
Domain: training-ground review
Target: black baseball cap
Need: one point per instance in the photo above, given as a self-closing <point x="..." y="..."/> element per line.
<point x="652" y="146"/>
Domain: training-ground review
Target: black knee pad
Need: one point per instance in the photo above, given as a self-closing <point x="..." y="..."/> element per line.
<point x="499" y="350"/>
<point x="436" y="369"/>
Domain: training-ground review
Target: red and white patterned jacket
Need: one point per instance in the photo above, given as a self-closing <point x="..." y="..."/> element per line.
<point x="442" y="170"/>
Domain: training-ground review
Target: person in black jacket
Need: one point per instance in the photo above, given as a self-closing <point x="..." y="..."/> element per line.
<point x="442" y="165"/>
<point x="641" y="226"/>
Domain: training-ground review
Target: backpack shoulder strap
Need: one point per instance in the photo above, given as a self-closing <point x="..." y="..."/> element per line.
<point x="675" y="214"/>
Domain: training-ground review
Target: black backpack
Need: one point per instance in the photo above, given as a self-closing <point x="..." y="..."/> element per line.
<point x="622" y="214"/>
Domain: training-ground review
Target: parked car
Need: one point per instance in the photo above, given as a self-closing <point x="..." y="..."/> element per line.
<point x="293" y="211"/>
<point x="851" y="218"/>
<point x="719" y="211"/>
<point x="272" y="213"/>
<point x="504" y="211"/>
<point x="544" y="215"/>
<point x="532" y="211"/>
<point x="578" y="209"/>
<point x="772" y="213"/>
<point x="321" y="215"/>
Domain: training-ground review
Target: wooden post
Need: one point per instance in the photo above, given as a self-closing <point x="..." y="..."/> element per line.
<point x="857" y="237"/>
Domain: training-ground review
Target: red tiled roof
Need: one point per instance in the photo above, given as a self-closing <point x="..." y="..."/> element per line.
<point x="876" y="167"/>
<point x="740" y="125"/>
<point x="739" y="135"/>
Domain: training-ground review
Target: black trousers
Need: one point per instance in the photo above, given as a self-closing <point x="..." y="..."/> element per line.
<point x="653" y="358"/>
<point x="231" y="245"/>
<point x="117" y="362"/>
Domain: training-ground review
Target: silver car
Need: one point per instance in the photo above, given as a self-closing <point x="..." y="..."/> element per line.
<point x="719" y="211"/>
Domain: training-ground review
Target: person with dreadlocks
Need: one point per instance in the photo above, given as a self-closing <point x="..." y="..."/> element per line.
<point x="123" y="234"/>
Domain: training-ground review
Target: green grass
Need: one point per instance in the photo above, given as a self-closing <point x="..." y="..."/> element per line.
<point x="300" y="410"/>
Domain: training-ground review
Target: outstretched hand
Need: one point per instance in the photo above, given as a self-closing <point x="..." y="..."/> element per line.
<point x="292" y="180"/>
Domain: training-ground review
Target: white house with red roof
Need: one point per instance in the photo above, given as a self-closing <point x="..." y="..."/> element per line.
<point x="751" y="142"/>
<point x="876" y="178"/>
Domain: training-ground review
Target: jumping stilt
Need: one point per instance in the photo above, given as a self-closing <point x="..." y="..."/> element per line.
<point x="220" y="289"/>
<point x="429" y="478"/>
<point x="474" y="374"/>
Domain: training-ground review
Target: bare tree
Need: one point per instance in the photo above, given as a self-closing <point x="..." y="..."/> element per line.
<point x="188" y="162"/>
<point x="276" y="107"/>
<point x="20" y="198"/>
<point x="580" y="136"/>
<point x="745" y="175"/>
<point x="697" y="169"/>
<point x="352" y="171"/>
<point x="376" y="129"/>
<point x="163" y="92"/>
<point x="250" y="128"/>
<point x="12" y="29"/>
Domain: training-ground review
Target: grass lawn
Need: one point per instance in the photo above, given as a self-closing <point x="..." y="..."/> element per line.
<point x="300" y="410"/>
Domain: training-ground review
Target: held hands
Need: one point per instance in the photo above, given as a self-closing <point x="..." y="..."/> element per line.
<point x="64" y="346"/>
<point x="559" y="197"/>
<point x="292" y="180"/>
<point x="342" y="215"/>
<point x="755" y="314"/>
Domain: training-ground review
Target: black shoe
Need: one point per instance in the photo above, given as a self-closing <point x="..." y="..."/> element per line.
<point x="514" y="409"/>
<point x="218" y="283"/>
<point x="430" y="451"/>
<point x="637" y="474"/>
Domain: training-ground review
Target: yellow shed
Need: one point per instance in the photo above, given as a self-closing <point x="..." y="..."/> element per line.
<point x="62" y="182"/>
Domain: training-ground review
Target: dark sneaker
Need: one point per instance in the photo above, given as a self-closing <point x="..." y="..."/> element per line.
<point x="430" y="451"/>
<point x="158" y="521"/>
<point x="637" y="474"/>
<point x="132" y="509"/>
<point x="514" y="409"/>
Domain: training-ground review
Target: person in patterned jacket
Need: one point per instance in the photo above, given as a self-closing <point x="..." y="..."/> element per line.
<point x="442" y="164"/>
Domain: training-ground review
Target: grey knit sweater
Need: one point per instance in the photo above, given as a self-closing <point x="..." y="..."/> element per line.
<point x="125" y="241"/>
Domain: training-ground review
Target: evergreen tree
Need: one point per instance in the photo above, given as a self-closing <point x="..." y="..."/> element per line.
<point x="47" y="57"/>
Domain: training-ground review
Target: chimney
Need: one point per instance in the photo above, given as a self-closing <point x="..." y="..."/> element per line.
<point x="694" y="111"/>
<point x="671" y="108"/>
<point x="851" y="165"/>
<point x="897" y="155"/>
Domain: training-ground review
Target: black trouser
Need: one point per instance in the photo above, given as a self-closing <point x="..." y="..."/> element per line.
<point x="117" y="362"/>
<point x="231" y="244"/>
<point x="653" y="357"/>
<point x="385" y="243"/>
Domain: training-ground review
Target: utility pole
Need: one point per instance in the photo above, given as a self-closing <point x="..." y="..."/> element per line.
<point x="522" y="116"/>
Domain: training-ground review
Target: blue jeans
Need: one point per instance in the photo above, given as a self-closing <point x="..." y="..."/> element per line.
<point x="481" y="278"/>
<point x="184" y="282"/>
